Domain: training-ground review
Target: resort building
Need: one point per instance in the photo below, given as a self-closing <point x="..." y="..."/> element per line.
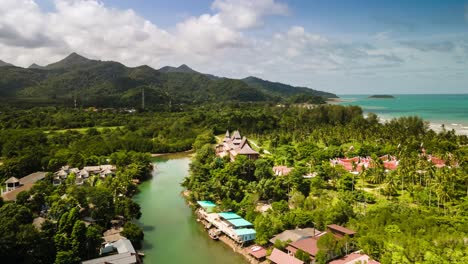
<point x="354" y="258"/>
<point x="308" y="245"/>
<point x="82" y="175"/>
<point x="208" y="206"/>
<point x="258" y="252"/>
<point x="279" y="257"/>
<point x="14" y="185"/>
<point x="228" y="223"/>
<point x="235" y="145"/>
<point x="358" y="164"/>
<point x="281" y="170"/>
<point x="121" y="252"/>
<point x="340" y="231"/>
<point x="294" y="235"/>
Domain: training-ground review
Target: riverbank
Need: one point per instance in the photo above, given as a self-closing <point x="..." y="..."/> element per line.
<point x="172" y="234"/>
<point x="187" y="152"/>
<point x="240" y="250"/>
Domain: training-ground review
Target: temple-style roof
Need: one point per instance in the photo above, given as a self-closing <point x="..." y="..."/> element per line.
<point x="236" y="135"/>
<point x="247" y="150"/>
<point x="227" y="134"/>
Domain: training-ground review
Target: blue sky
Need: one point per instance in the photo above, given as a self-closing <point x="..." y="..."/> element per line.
<point x="346" y="46"/>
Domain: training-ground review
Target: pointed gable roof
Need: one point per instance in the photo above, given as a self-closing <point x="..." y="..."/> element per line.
<point x="227" y="134"/>
<point x="236" y="135"/>
<point x="247" y="150"/>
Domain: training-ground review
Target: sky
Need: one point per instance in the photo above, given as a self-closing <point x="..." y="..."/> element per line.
<point x="344" y="47"/>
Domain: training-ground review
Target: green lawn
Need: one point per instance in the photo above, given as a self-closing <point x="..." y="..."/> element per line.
<point x="81" y="129"/>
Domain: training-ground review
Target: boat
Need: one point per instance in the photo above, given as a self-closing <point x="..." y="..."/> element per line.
<point x="214" y="234"/>
<point x="255" y="248"/>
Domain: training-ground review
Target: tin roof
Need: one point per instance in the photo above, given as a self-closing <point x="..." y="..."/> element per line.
<point x="206" y="203"/>
<point x="279" y="257"/>
<point x="240" y="222"/>
<point x="229" y="215"/>
<point x="245" y="231"/>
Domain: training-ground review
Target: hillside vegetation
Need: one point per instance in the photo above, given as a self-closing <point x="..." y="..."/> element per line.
<point x="112" y="84"/>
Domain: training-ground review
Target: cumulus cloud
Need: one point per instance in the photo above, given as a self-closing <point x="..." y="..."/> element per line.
<point x="425" y="46"/>
<point x="243" y="14"/>
<point x="217" y="42"/>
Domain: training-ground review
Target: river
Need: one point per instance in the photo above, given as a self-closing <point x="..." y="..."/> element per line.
<point x="172" y="234"/>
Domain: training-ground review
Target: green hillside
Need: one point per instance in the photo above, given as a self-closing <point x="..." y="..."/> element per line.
<point x="112" y="84"/>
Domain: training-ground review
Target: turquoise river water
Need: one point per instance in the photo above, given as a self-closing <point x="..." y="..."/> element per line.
<point x="172" y="234"/>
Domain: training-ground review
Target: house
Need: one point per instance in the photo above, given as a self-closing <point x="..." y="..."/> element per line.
<point x="235" y="145"/>
<point x="358" y="164"/>
<point x="231" y="224"/>
<point x="281" y="170"/>
<point x="340" y="231"/>
<point x="279" y="257"/>
<point x="294" y="235"/>
<point x="208" y="206"/>
<point x="12" y="183"/>
<point x="258" y="252"/>
<point x="123" y="250"/>
<point x="308" y="245"/>
<point x="354" y="258"/>
<point x="15" y="186"/>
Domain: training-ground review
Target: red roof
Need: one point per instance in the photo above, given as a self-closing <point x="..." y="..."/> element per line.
<point x="341" y="229"/>
<point x="352" y="258"/>
<point x="259" y="253"/>
<point x="390" y="165"/>
<point x="308" y="245"/>
<point x="279" y="257"/>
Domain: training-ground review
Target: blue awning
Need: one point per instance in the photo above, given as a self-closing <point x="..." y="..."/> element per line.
<point x="229" y="215"/>
<point x="206" y="204"/>
<point x="245" y="231"/>
<point x="240" y="222"/>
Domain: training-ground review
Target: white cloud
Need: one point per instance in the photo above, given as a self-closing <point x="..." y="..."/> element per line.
<point x="219" y="42"/>
<point x="242" y="14"/>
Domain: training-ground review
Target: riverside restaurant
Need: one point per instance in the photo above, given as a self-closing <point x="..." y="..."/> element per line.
<point x="228" y="223"/>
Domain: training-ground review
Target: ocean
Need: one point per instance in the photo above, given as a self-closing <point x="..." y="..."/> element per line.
<point x="448" y="109"/>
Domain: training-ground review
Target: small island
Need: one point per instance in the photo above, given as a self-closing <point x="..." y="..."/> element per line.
<point x="382" y="96"/>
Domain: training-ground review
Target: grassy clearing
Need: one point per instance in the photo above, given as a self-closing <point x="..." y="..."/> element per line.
<point x="82" y="130"/>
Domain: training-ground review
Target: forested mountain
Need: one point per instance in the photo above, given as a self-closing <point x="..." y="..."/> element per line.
<point x="182" y="68"/>
<point x="2" y="64"/>
<point x="35" y="66"/>
<point x="283" y="89"/>
<point x="112" y="84"/>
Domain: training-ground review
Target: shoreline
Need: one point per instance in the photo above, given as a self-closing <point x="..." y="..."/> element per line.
<point x="154" y="155"/>
<point x="460" y="129"/>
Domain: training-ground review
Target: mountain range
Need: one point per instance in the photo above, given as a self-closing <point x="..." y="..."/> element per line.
<point x="112" y="84"/>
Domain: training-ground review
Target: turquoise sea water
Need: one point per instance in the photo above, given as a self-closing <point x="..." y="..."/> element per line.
<point x="448" y="109"/>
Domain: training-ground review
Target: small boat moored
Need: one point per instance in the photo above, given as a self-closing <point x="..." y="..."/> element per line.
<point x="214" y="234"/>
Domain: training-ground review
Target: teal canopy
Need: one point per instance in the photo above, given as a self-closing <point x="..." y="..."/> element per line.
<point x="205" y="204"/>
<point x="244" y="231"/>
<point x="229" y="215"/>
<point x="240" y="222"/>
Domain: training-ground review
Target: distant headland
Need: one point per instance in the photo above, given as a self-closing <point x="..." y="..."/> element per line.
<point x="382" y="96"/>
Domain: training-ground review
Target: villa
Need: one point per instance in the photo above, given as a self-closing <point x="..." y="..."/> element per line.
<point x="14" y="185"/>
<point x="83" y="174"/>
<point x="354" y="258"/>
<point x="120" y="251"/>
<point x="281" y="170"/>
<point x="228" y="223"/>
<point x="358" y="164"/>
<point x="235" y="145"/>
